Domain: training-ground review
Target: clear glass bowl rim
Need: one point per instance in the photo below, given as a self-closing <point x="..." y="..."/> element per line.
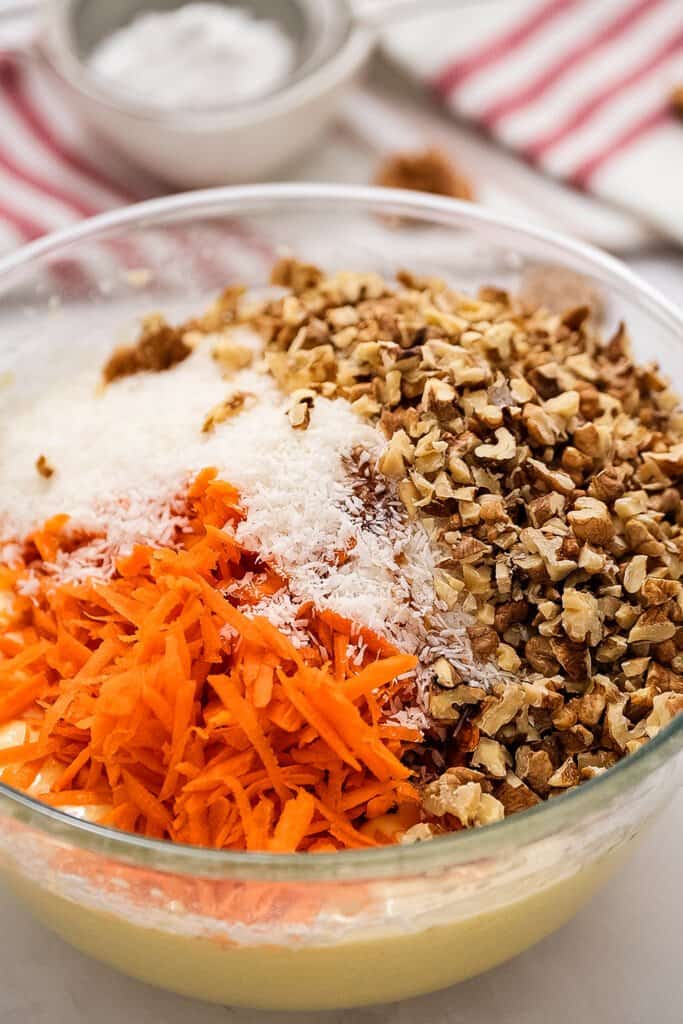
<point x="494" y="841"/>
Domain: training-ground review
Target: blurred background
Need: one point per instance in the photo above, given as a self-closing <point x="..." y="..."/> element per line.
<point x="564" y="113"/>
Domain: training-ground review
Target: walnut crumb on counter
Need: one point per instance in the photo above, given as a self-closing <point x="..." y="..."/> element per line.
<point x="429" y="170"/>
<point x="44" y="467"/>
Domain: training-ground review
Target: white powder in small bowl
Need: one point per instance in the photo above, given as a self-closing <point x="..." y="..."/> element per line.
<point x="198" y="56"/>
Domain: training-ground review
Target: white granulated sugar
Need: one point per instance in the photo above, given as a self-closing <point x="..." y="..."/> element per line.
<point x="122" y="458"/>
<point x="200" y="56"/>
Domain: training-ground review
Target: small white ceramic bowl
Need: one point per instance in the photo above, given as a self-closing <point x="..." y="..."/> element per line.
<point x="236" y="142"/>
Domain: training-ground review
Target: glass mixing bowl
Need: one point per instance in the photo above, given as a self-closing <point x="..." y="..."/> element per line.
<point x="308" y="931"/>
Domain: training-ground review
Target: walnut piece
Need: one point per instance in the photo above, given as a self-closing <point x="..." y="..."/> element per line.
<point x="419" y="833"/>
<point x="232" y="356"/>
<point x="299" y="412"/>
<point x="515" y="795"/>
<point x="44" y="467"/>
<point x="466" y="801"/>
<point x="677" y="100"/>
<point x="492" y="756"/>
<point x="225" y="410"/>
<point x="566" y="776"/>
<point x="546" y="467"/>
<point x="591" y="521"/>
<point x="581" y="616"/>
<point x="430" y="170"/>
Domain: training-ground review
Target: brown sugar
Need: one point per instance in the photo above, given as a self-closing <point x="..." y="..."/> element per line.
<point x="159" y="347"/>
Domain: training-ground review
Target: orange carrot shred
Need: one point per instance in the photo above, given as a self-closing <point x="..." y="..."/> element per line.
<point x="72" y="770"/>
<point x="291" y="828"/>
<point x="162" y="705"/>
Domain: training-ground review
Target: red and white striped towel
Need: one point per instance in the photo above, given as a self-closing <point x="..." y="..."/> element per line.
<point x="50" y="175"/>
<point x="53" y="173"/>
<point x="580" y="88"/>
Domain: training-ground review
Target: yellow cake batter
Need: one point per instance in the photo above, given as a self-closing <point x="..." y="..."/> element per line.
<point x="384" y="968"/>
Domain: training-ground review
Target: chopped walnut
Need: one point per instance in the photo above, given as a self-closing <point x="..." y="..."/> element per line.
<point x="289" y="273"/>
<point x="617" y="725"/>
<point x="225" y="410"/>
<point x="677" y="100"/>
<point x="445" y="674"/>
<point x="492" y="756"/>
<point x="223" y="311"/>
<point x="483" y="640"/>
<point x="419" y="833"/>
<point x="662" y="678"/>
<point x="581" y="616"/>
<point x="231" y="356"/>
<point x="591" y="521"/>
<point x="566" y="776"/>
<point x="635" y="574"/>
<point x="547" y="467"/>
<point x="534" y="767"/>
<point x="299" y="412"/>
<point x="515" y="795"/>
<point x="397" y="456"/>
<point x="653" y="626"/>
<point x="44" y="467"/>
<point x="654" y="591"/>
<point x="466" y="801"/>
<point x="504" y="448"/>
<point x="497" y="711"/>
<point x="665" y="707"/>
<point x="443" y="706"/>
<point x="427" y="171"/>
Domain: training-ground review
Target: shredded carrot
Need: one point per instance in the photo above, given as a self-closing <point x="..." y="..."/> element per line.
<point x="21" y="698"/>
<point x="76" y="798"/>
<point x="294" y="822"/>
<point x="158" y="702"/>
<point x="72" y="770"/>
<point x="25" y="752"/>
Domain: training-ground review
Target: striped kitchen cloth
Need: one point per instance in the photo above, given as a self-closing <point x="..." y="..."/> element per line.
<point x="579" y="88"/>
<point x="49" y="176"/>
<point x="53" y="172"/>
<point x="550" y="79"/>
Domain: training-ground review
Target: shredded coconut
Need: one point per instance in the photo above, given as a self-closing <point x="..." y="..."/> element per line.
<point x="123" y="457"/>
<point x="281" y="610"/>
<point x="446" y="637"/>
